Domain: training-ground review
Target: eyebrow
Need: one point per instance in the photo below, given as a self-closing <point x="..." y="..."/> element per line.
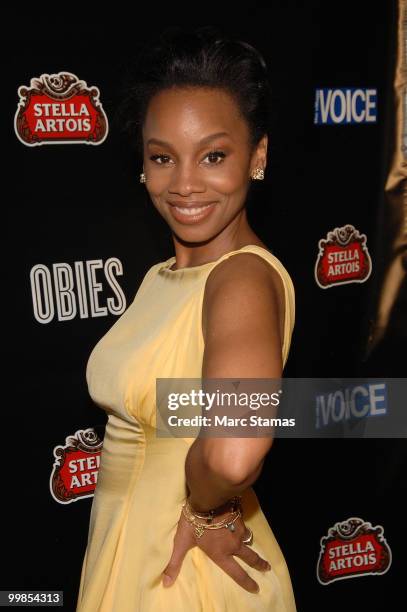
<point x="201" y="142"/>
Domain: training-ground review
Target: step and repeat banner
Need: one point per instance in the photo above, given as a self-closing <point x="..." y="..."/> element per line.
<point x="82" y="233"/>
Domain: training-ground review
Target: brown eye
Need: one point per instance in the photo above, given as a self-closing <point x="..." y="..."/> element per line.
<point x="160" y="156"/>
<point x="214" y="157"/>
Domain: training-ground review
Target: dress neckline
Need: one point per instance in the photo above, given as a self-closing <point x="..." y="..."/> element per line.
<point x="166" y="266"/>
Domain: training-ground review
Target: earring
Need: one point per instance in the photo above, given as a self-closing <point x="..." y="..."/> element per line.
<point x="258" y="174"/>
<point x="143" y="178"/>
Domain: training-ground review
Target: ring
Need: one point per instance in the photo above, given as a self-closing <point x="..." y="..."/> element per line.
<point x="249" y="539"/>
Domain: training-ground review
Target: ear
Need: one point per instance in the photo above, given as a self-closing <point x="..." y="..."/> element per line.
<point x="259" y="156"/>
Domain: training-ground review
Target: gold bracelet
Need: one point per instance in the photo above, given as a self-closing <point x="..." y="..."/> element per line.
<point x="190" y="514"/>
<point x="199" y="528"/>
<point x="233" y="503"/>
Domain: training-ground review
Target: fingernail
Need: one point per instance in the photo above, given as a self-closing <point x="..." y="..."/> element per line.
<point x="256" y="589"/>
<point x="268" y="567"/>
<point x="166" y="580"/>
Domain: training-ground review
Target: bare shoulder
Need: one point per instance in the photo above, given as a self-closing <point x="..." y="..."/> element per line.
<point x="244" y="269"/>
<point x="244" y="278"/>
<point x="243" y="310"/>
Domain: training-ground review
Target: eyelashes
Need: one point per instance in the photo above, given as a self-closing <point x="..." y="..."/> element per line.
<point x="219" y="154"/>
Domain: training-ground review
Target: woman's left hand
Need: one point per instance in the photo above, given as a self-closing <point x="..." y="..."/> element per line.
<point x="220" y="545"/>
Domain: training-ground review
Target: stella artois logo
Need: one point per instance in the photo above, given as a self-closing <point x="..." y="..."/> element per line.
<point x="58" y="109"/>
<point x="343" y="258"/>
<point x="353" y="548"/>
<point x="75" y="471"/>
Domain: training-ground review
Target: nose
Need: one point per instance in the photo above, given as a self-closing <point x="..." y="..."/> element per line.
<point x="186" y="178"/>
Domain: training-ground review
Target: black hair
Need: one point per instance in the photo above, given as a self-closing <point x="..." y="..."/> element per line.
<point x="201" y="57"/>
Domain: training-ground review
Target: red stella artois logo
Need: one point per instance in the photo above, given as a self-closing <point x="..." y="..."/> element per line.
<point x="343" y="258"/>
<point x="57" y="109"/>
<point x="75" y="471"/>
<point x="352" y="548"/>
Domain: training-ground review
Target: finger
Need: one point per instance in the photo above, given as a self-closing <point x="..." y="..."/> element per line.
<point x="173" y="567"/>
<point x="235" y="571"/>
<point x="249" y="556"/>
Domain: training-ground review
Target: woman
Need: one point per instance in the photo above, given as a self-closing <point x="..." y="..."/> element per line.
<point x="222" y="307"/>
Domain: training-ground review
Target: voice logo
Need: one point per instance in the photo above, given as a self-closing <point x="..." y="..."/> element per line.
<point x="75" y="471"/>
<point x="59" y="109"/>
<point x="345" y="105"/>
<point x="343" y="258"/>
<point x="351" y="549"/>
<point x="354" y="402"/>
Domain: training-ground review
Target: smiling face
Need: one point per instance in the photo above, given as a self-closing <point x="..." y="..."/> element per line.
<point x="198" y="161"/>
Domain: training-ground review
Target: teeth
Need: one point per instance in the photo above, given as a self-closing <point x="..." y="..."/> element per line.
<point x="191" y="211"/>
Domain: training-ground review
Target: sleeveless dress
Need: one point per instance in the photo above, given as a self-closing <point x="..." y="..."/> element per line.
<point x="141" y="482"/>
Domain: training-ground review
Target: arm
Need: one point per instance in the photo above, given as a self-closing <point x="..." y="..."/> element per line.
<point x="242" y="326"/>
<point x="242" y="322"/>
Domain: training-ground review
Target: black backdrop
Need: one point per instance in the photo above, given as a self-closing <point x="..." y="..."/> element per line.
<point x="70" y="203"/>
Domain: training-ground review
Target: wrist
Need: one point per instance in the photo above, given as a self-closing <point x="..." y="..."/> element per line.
<point x="216" y="518"/>
<point x="220" y="510"/>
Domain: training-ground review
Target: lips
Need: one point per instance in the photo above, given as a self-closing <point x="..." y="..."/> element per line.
<point x="191" y="212"/>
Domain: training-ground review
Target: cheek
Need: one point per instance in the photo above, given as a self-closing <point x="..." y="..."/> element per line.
<point x="157" y="183"/>
<point x="227" y="182"/>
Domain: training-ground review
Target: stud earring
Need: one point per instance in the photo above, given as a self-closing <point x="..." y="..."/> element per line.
<point x="258" y="174"/>
<point x="143" y="178"/>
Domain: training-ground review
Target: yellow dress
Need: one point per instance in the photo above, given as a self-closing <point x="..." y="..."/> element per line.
<point x="141" y="484"/>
